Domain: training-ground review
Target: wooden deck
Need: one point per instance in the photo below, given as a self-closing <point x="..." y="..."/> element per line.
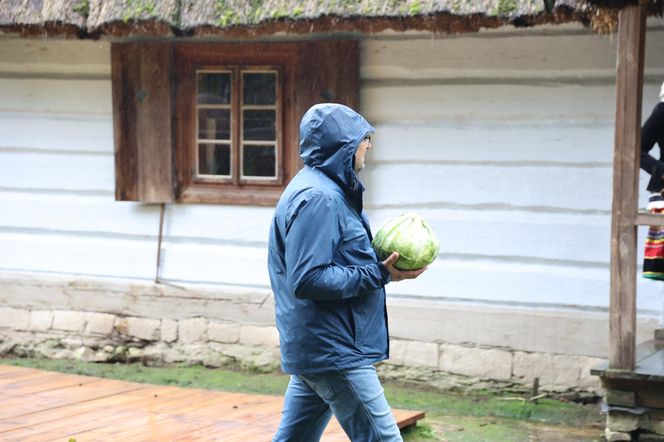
<point x="641" y="387"/>
<point x="42" y="406"/>
<point x="649" y="364"/>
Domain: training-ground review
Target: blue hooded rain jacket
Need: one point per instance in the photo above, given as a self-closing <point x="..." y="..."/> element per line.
<point x="327" y="280"/>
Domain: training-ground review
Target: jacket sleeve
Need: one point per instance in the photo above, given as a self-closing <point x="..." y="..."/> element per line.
<point x="313" y="234"/>
<point x="653" y="132"/>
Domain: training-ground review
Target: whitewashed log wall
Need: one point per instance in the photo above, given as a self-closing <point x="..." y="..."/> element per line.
<point x="503" y="140"/>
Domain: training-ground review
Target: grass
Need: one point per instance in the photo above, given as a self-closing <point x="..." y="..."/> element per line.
<point x="451" y="416"/>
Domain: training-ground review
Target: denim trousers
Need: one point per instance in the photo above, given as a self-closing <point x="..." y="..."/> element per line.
<point x="354" y="396"/>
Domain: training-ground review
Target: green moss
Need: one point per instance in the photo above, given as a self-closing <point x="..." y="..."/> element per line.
<point x="420" y="433"/>
<point x="489" y="404"/>
<point x="83" y="8"/>
<point x="415" y="8"/>
<point x="226" y="16"/>
<point x="256" y="11"/>
<point x="455" y="7"/>
<point x="279" y="13"/>
<point x="506" y="7"/>
<point x="466" y="429"/>
<point x="139" y="9"/>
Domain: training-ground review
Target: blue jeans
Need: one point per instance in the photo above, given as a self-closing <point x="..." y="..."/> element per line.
<point x="354" y="396"/>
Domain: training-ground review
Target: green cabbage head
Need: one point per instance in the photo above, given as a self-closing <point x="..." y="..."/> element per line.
<point x="409" y="235"/>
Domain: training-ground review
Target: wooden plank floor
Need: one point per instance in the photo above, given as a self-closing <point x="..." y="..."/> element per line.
<point x="649" y="363"/>
<point x="37" y="405"/>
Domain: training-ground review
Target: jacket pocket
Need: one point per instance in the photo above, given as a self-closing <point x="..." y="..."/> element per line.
<point x="357" y="326"/>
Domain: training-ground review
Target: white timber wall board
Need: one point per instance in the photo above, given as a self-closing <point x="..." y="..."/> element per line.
<point x="548" y="53"/>
<point x="216" y="264"/>
<point x="67" y="97"/>
<point x="56" y="171"/>
<point x="55" y="57"/>
<point x="501" y="282"/>
<point x="34" y="131"/>
<point x="72" y="214"/>
<point x="104" y="215"/>
<point x="492" y="103"/>
<point x="133" y="258"/>
<point x="236" y="224"/>
<point x="569" y="239"/>
<point x="411" y="185"/>
<point x="507" y="77"/>
<point x="80" y="255"/>
<point x="531" y="144"/>
<point x="520" y="283"/>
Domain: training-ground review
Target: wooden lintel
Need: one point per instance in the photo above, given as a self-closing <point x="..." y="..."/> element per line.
<point x="629" y="91"/>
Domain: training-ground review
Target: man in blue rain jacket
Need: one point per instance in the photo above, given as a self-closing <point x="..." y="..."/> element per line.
<point x="329" y="286"/>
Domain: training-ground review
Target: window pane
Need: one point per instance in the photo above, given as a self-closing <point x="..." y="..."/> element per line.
<point x="214" y="88"/>
<point x="259" y="161"/>
<point x="214" y="159"/>
<point x="259" y="88"/>
<point x="258" y="125"/>
<point x="214" y="124"/>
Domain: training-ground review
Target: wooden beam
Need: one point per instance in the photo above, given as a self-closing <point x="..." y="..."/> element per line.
<point x="649" y="219"/>
<point x="629" y="90"/>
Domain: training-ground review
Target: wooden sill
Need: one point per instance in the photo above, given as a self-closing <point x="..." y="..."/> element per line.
<point x="239" y="196"/>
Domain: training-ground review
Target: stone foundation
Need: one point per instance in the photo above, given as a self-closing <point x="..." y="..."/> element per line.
<point x="646" y="425"/>
<point x="102" y="337"/>
<point x="634" y="400"/>
<point x="105" y="337"/>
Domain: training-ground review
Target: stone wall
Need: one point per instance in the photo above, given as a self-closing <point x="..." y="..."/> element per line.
<point x="640" y="424"/>
<point x="105" y="337"/>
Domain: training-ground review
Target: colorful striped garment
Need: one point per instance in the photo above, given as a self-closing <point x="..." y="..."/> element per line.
<point x="653" y="260"/>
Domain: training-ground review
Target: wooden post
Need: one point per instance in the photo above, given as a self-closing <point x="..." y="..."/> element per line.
<point x="629" y="91"/>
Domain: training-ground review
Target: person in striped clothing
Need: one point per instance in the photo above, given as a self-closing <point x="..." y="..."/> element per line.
<point x="652" y="133"/>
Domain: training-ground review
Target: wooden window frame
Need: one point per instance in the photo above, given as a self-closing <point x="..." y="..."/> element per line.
<point x="152" y="111"/>
<point x="238" y="58"/>
<point x="237" y="141"/>
<point x="278" y="108"/>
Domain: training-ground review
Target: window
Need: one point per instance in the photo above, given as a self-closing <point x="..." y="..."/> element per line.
<point x="238" y="125"/>
<point x="219" y="122"/>
<point x="234" y="143"/>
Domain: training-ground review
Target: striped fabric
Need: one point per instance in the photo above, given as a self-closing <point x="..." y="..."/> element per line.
<point x="653" y="260"/>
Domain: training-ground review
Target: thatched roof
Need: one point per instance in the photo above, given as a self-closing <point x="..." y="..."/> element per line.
<point x="248" y="18"/>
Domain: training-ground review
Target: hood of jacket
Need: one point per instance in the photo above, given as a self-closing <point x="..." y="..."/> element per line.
<point x="330" y="134"/>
